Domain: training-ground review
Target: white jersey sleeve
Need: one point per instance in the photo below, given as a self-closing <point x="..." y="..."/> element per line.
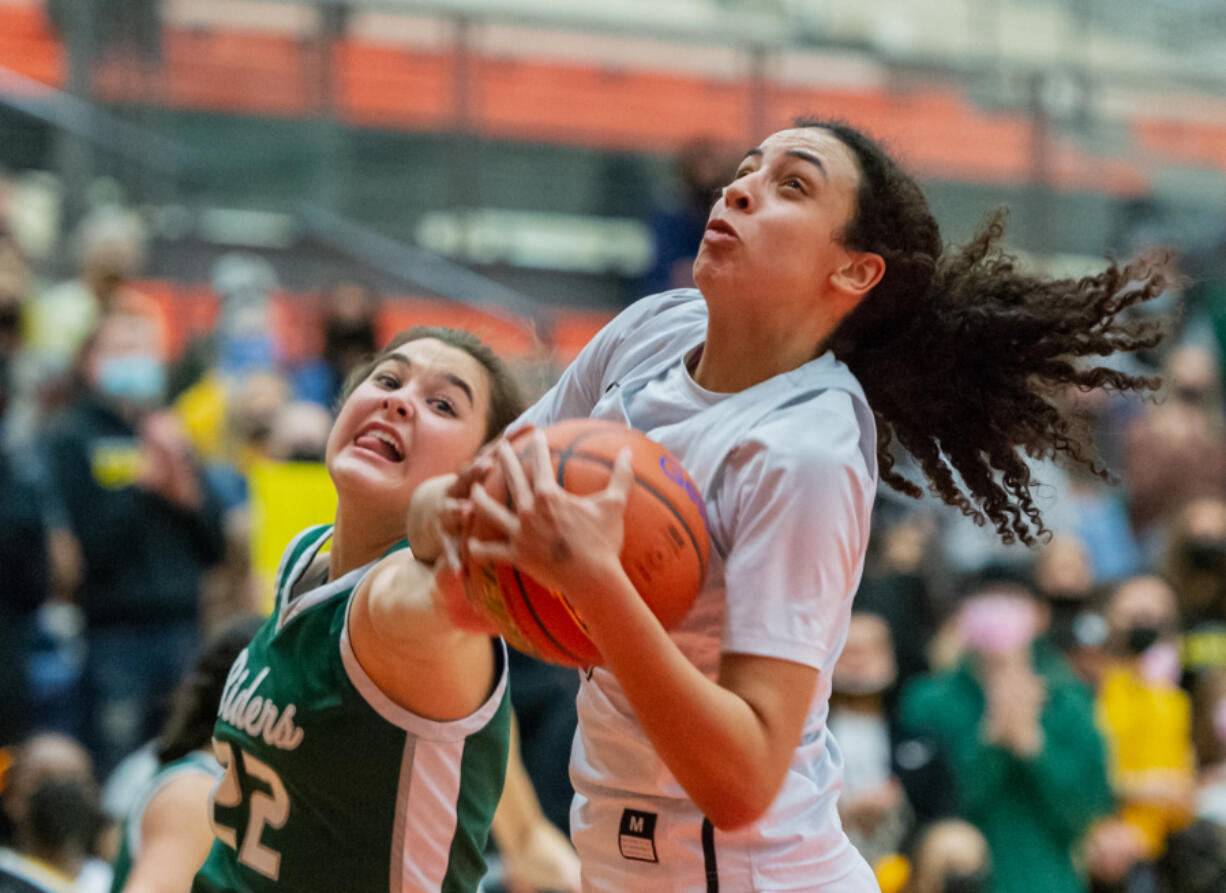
<point x="798" y="494"/>
<point x="614" y="348"/>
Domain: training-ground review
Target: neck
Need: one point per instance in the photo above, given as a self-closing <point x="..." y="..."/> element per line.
<point x="741" y="352"/>
<point x="358" y="538"/>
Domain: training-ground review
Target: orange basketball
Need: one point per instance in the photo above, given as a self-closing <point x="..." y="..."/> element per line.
<point x="664" y="553"/>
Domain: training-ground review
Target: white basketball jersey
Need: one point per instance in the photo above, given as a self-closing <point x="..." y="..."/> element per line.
<point x="788" y="471"/>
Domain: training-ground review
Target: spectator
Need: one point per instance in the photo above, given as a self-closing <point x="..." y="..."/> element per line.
<point x="896" y="580"/>
<point x="14" y="282"/>
<point x="1196" y="566"/>
<point x="1064" y="577"/>
<point x="51" y="800"/>
<point x="676" y="229"/>
<point x="950" y="856"/>
<point x="38" y="665"/>
<point x="348" y="310"/>
<point x="148" y="527"/>
<point x="1175" y="451"/>
<point x="299" y="433"/>
<point x="255" y="405"/>
<point x="203" y="383"/>
<point x="1144" y="716"/>
<point x="872" y="805"/>
<point x="166" y="831"/>
<point x="23" y="555"/>
<point x="1209" y="737"/>
<point x="109" y="249"/>
<point x="1017" y="729"/>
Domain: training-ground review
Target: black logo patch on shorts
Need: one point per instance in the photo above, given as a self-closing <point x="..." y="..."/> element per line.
<point x="636" y="838"/>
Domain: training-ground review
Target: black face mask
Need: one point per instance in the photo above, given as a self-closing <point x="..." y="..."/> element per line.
<point x="978" y="881"/>
<point x="1206" y="555"/>
<point x="1139" y="639"/>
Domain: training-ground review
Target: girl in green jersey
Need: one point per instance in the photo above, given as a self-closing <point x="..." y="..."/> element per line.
<point x="365" y="736"/>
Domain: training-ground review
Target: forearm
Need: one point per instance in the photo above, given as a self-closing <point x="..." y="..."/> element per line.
<point x="518" y="808"/>
<point x="711" y="739"/>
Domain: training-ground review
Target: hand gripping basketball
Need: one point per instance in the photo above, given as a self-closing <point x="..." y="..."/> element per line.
<point x="661" y="539"/>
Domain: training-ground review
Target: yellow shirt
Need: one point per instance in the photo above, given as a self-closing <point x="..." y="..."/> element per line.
<point x="1147" y="727"/>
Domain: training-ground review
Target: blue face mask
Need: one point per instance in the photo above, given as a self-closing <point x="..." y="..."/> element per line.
<point x="135" y="378"/>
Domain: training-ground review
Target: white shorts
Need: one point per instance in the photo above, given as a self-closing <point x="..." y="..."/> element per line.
<point x="652" y="845"/>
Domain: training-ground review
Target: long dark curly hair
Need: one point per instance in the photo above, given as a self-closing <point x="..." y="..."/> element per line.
<point x="963" y="357"/>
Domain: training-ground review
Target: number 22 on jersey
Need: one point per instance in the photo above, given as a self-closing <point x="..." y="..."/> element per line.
<point x="265" y="808"/>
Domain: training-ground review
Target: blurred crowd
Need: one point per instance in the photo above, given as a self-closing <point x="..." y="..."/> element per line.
<point x="128" y="519"/>
<point x="1010" y="718"/>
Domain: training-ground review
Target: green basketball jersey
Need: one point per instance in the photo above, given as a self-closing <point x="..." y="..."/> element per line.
<point x="129" y="844"/>
<point x="329" y="785"/>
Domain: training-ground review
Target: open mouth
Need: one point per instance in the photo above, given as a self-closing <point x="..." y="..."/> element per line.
<point x="382" y="442"/>
<point x="720" y="226"/>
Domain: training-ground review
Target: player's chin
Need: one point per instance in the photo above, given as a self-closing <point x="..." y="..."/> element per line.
<point x="712" y="271"/>
<point x="360" y="476"/>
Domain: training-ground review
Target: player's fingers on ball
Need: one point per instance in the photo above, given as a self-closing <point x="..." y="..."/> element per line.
<point x="451" y="550"/>
<point x="622" y="478"/>
<point x="452" y="514"/>
<point x="541" y="464"/>
<point x="486" y="507"/>
<point x="474" y="471"/>
<point x="489" y="550"/>
<point x="517" y="480"/>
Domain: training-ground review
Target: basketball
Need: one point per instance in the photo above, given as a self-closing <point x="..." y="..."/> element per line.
<point x="664" y="552"/>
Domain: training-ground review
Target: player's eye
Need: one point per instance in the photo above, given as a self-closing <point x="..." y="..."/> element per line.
<point x="444" y="405"/>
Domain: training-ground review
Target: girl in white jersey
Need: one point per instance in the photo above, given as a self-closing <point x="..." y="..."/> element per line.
<point x="828" y="322"/>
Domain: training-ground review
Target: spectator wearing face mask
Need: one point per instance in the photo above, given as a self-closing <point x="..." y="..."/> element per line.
<point x="1064" y="577"/>
<point x="1017" y="730"/>
<point x="950" y="856"/>
<point x="109" y="248"/>
<point x="872" y="804"/>
<point x="1196" y="566"/>
<point x="1143" y="714"/>
<point x="148" y="528"/>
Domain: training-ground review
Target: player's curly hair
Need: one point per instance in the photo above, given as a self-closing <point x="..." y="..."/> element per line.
<point x="963" y="357"/>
